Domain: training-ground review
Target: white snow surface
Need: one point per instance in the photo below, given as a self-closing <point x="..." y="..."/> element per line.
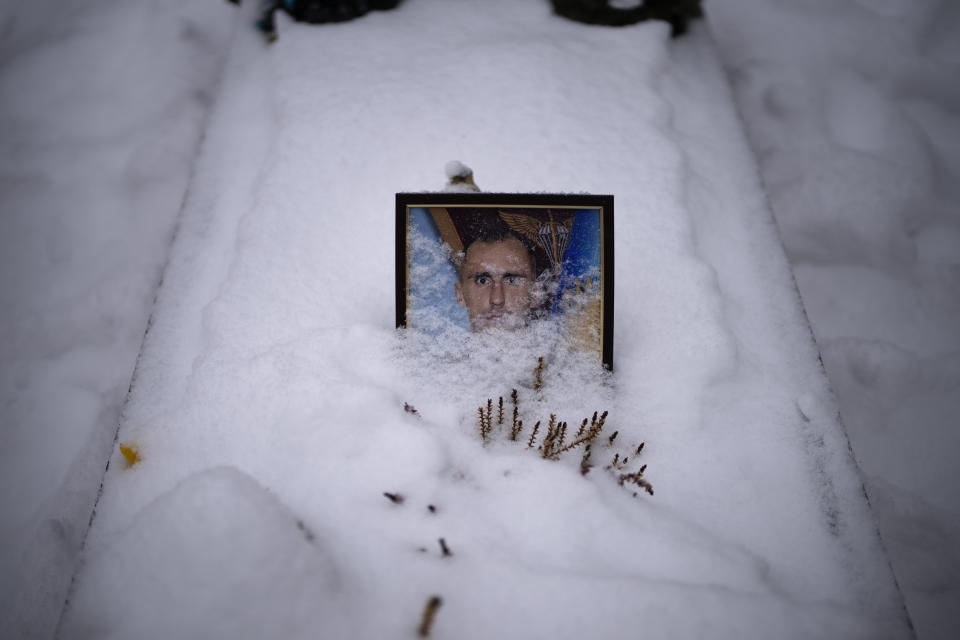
<point x="852" y="109"/>
<point x="101" y="109"/>
<point x="270" y="353"/>
<point x="268" y="399"/>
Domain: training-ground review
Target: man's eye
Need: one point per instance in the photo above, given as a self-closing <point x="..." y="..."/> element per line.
<point x="482" y="280"/>
<point x="515" y="280"/>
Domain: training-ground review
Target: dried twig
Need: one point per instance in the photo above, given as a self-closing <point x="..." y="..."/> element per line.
<point x="637" y="479"/>
<point x="585" y="465"/>
<point x="555" y="444"/>
<point x="553" y="431"/>
<point x="444" y="549"/>
<point x="538" y="375"/>
<point x="429" y="613"/>
<point x="533" y="435"/>
<point x="485" y="419"/>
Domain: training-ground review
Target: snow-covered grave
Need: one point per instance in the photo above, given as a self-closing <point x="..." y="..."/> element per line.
<point x="268" y="405"/>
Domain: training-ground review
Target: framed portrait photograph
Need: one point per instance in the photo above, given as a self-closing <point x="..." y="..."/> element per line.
<point x="497" y="262"/>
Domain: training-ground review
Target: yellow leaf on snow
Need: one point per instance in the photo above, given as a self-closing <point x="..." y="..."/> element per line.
<point x="131" y="453"/>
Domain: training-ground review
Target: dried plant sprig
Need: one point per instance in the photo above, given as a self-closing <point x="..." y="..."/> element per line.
<point x="485" y="420"/>
<point x="395" y="498"/>
<point x="554" y="443"/>
<point x="428" y="615"/>
<point x="585" y="465"/>
<point x="489" y="417"/>
<point x="309" y="535"/>
<point x="517" y="424"/>
<point x="544" y="447"/>
<point x="538" y="375"/>
<point x="533" y="435"/>
<point x="444" y="549"/>
<point x="583" y="427"/>
<point x="409" y="408"/>
<point x="549" y="440"/>
<point x="517" y="428"/>
<point x="637" y="479"/>
<point x="602" y="420"/>
<point x="596" y="425"/>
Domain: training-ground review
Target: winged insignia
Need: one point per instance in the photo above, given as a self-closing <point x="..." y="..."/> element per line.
<point x="551" y="235"/>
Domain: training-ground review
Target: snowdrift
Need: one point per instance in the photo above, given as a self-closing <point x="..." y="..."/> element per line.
<point x="268" y="405"/>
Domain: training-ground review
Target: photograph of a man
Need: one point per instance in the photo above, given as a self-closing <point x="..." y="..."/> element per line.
<point x="503" y="267"/>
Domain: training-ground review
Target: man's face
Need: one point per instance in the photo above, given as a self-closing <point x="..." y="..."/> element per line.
<point x="495" y="284"/>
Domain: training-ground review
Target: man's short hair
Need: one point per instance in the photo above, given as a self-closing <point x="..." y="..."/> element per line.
<point x="497" y="234"/>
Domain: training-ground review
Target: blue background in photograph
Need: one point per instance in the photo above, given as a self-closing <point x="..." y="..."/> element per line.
<point x="439" y="294"/>
<point x="583" y="254"/>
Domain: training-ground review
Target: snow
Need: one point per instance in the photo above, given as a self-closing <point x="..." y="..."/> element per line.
<point x="852" y="114"/>
<point x="456" y="169"/>
<point x="100" y="118"/>
<point x="268" y="400"/>
<point x="270" y="352"/>
<point x="183" y="533"/>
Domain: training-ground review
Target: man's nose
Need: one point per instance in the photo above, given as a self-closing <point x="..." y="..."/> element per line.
<point x="496" y="295"/>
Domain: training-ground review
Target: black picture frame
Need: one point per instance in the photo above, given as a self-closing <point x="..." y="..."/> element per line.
<point x="588" y="219"/>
